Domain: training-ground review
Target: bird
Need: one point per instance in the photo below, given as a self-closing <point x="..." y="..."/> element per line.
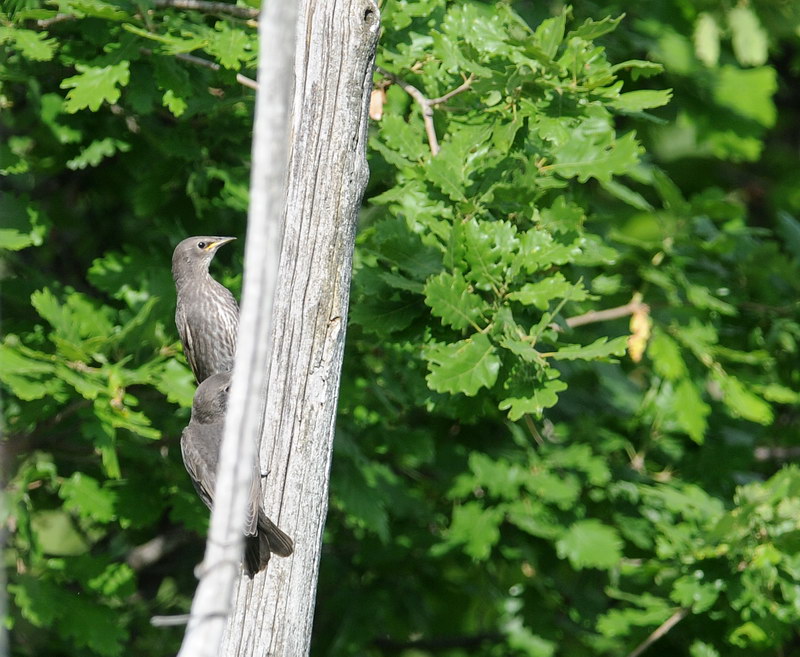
<point x="200" y="445"/>
<point x="206" y="314"/>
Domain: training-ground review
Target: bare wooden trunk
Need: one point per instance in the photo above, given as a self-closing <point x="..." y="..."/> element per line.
<point x="327" y="175"/>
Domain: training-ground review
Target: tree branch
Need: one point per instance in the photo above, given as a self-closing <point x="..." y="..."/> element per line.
<point x="426" y="104"/>
<point x="155" y="549"/>
<point x="205" y="63"/>
<point x="207" y="7"/>
<point x="660" y="631"/>
<point x="604" y="315"/>
<point x="199" y="61"/>
<point x="459" y="89"/>
<point x="45" y="23"/>
<point x="776" y="453"/>
<point x="169" y="621"/>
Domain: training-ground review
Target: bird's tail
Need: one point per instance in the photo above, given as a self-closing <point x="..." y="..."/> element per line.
<point x="270" y="539"/>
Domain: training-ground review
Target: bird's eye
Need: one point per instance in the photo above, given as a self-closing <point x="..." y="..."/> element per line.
<point x="201" y="245"/>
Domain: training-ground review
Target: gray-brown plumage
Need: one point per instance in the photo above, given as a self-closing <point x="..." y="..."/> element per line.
<point x="206" y="314"/>
<point x="200" y="445"/>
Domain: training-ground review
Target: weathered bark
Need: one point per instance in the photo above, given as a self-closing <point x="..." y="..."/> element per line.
<point x="221" y="566"/>
<point x="327" y="175"/>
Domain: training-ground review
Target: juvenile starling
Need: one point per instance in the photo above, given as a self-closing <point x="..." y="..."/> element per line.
<point x="200" y="445"/>
<point x="206" y="314"/>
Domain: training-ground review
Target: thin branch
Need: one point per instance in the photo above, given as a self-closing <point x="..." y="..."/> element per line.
<point x="604" y="315"/>
<point x="199" y="61"/>
<point x="426" y="104"/>
<point x="660" y="631"/>
<point x="203" y="6"/>
<point x="169" y="621"/>
<point x="205" y="63"/>
<point x="776" y="453"/>
<point x="155" y="549"/>
<point x="459" y="89"/>
<point x="207" y="7"/>
<point x="44" y="23"/>
<point x="532" y="428"/>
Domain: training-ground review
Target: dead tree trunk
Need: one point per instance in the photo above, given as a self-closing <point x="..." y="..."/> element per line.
<point x="327" y="175"/>
<point x="211" y="606"/>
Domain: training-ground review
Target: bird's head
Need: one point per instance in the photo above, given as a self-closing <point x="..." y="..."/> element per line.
<point x="211" y="399"/>
<point x="194" y="254"/>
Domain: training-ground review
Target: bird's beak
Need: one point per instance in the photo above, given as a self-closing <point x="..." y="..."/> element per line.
<point x="218" y="242"/>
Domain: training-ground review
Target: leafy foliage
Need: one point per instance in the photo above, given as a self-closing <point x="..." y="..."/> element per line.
<point x="571" y="360"/>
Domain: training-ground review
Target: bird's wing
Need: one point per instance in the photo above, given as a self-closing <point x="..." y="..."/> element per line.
<point x="253" y="501"/>
<point x="189" y="351"/>
<point x="185" y="333"/>
<point x="198" y="465"/>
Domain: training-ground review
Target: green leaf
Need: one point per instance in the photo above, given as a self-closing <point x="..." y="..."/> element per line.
<point x="174" y="103"/>
<point x="524" y="642"/>
<point x="402" y="248"/>
<point x="489" y="250"/>
<point x="462" y="367"/>
<point x="114" y="579"/>
<point x="778" y="394"/>
<point x="691" y="411"/>
<point x="477" y="528"/>
<point x="561" y="217"/>
<point x="95" y="85"/>
<point x="561" y="490"/>
<point x="749" y="38"/>
<point x="639" y="68"/>
<point x="666" y="356"/>
<point x="592" y="29"/>
<point x="701" y="649"/>
<point x="618" y="622"/>
<point x="35" y="46"/>
<point x="638" y="101"/>
<point x="743" y="403"/>
<point x="386" y="316"/>
<point x="691" y="592"/>
<point x="28" y="378"/>
<point x="21" y="226"/>
<point x="450" y="298"/>
<point x="749" y="634"/>
<point x="400" y="136"/>
<point x="230" y="45"/>
<point x="626" y="194"/>
<point x="538" y="251"/>
<point x="460" y="155"/>
<point x="56" y="533"/>
<point x="94" y="8"/>
<point x="540" y="398"/>
<point x="82" y="494"/>
<point x="542" y="293"/>
<point x="74" y="320"/>
<point x="601" y="348"/>
<point x="176" y="382"/>
<point x="96" y="152"/>
<point x="756" y="104"/>
<point x="588" y="156"/>
<point x="590" y="544"/>
<point x="701" y="297"/>
<point x="706" y="39"/>
<point x="503" y="480"/>
<point x="550" y="33"/>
